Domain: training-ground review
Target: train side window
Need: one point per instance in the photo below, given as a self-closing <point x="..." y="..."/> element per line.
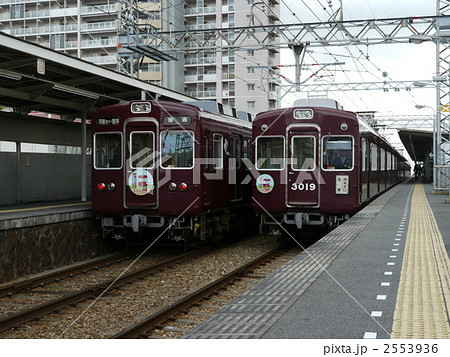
<point x="337" y="152"/>
<point x="142" y="149"/>
<point x="250" y="150"/>
<point x="218" y="151"/>
<point x="177" y="149"/>
<point x="374" y="157"/>
<point x="383" y="159"/>
<point x="270" y="153"/>
<point x="108" y="150"/>
<point x="303" y="153"/>
<point x="235" y="152"/>
<point x="205" y="147"/>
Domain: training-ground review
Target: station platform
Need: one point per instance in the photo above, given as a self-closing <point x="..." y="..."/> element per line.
<point x="39" y="213"/>
<point x="385" y="273"/>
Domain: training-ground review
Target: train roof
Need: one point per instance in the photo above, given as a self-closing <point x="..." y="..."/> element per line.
<point x="318" y="102"/>
<point x="288" y="115"/>
<point x="194" y="107"/>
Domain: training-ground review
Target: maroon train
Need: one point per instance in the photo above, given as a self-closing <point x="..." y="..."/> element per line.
<point x="318" y="166"/>
<point x="170" y="171"/>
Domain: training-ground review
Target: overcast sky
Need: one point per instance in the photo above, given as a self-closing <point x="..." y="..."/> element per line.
<point x="367" y="63"/>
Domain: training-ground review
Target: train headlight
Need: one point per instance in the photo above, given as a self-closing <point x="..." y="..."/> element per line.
<point x="101" y="186"/>
<point x="111" y="186"/>
<point x="141" y="107"/>
<point x="303" y="113"/>
<point x="344" y="126"/>
<point x="172" y="186"/>
<point x="183" y="186"/>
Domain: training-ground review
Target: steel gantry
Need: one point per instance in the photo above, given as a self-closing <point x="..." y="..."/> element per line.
<point x="338" y="32"/>
<point x="318" y="34"/>
<point x="442" y="147"/>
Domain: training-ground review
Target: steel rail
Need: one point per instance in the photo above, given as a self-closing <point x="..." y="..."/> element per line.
<point x="90" y="292"/>
<point x="177" y="307"/>
<point x="62" y="273"/>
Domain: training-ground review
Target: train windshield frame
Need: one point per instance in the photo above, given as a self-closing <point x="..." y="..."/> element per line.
<point x="108" y="151"/>
<point x="177" y="149"/>
<point x="270" y="153"/>
<point x="337" y="152"/>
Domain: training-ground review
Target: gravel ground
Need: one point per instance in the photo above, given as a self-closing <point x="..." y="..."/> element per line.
<point x="27" y="299"/>
<point x="119" y="308"/>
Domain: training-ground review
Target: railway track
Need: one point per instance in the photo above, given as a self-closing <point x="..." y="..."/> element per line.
<point x="162" y="291"/>
<point x="79" y="295"/>
<point x="67" y="272"/>
<point x="177" y="312"/>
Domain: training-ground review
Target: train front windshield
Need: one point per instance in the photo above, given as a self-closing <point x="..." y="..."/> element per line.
<point x="177" y="149"/>
<point x="337" y="152"/>
<point x="108" y="151"/>
<point x="270" y="153"/>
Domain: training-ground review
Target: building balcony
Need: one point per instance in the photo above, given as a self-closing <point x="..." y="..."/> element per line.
<point x="199" y="11"/>
<point x="72" y="28"/>
<point x="66" y="12"/>
<point x="12" y="2"/>
<point x="101" y="60"/>
<point x="211" y="93"/>
<point x="199" y="61"/>
<point x="207" y="94"/>
<point x="200" y="78"/>
<point x="195" y="27"/>
<point x="90" y="44"/>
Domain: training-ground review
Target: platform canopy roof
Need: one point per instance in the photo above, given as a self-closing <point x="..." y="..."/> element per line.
<point x="36" y="78"/>
<point x="418" y="143"/>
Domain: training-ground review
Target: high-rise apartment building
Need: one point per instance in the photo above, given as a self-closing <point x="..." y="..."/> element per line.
<point x="96" y="30"/>
<point x="242" y="78"/>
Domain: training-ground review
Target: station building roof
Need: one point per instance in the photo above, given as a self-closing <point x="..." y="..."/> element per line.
<point x="36" y="78"/>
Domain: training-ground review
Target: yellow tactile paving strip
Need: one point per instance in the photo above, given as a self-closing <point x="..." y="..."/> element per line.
<point x="423" y="300"/>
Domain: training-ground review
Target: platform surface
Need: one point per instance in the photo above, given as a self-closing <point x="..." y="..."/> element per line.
<point x="31" y="214"/>
<point x="365" y="279"/>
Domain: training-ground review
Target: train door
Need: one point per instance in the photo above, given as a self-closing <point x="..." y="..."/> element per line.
<point x="303" y="171"/>
<point x="235" y="174"/>
<point x="206" y="170"/>
<point x="141" y="167"/>
<point x="364" y="171"/>
<point x="374" y="167"/>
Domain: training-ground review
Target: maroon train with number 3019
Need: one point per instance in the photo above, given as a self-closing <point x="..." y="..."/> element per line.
<point x="318" y="165"/>
<point x="170" y="171"/>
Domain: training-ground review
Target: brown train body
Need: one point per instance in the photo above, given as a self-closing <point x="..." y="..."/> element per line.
<point x="318" y="166"/>
<point x="169" y="170"/>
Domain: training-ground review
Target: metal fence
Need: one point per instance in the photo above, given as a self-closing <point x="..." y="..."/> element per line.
<point x="441" y="177"/>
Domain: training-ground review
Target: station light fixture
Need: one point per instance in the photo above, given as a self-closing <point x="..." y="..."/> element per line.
<point x="10" y="75"/>
<point x="418" y="39"/>
<point x="76" y="91"/>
